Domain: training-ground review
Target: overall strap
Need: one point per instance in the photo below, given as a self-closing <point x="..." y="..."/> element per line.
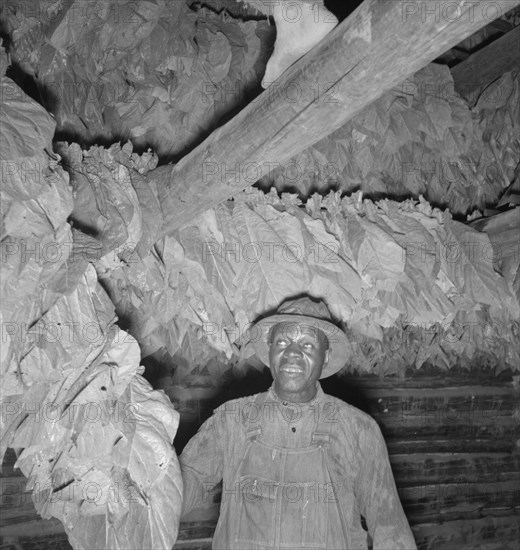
<point x="326" y="419"/>
<point x="325" y="416"/>
<point x="254" y="416"/>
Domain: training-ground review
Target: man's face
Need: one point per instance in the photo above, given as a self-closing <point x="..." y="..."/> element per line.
<point x="297" y="356"/>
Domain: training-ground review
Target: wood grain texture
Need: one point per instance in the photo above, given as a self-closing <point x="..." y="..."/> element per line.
<point x="426" y="468"/>
<point x="373" y="50"/>
<point x="490" y="533"/>
<point x="476" y="72"/>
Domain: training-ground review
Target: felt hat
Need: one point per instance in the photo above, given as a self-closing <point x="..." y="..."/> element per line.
<point x="309" y="313"/>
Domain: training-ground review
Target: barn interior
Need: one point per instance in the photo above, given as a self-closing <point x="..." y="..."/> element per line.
<point x="156" y="201"/>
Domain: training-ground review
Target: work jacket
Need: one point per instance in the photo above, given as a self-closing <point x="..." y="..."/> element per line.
<point x="295" y="475"/>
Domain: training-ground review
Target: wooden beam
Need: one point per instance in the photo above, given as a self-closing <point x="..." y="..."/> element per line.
<point x="376" y="48"/>
<point x="476" y="72"/>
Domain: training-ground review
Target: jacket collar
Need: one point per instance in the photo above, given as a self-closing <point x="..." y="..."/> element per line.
<point x="316" y="400"/>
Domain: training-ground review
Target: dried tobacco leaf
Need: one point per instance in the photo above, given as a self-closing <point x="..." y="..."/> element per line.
<point x="97" y="447"/>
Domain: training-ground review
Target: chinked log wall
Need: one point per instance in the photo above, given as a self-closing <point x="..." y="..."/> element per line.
<point x="454" y="444"/>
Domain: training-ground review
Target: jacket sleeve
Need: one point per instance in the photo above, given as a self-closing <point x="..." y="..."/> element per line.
<point x="378" y="498"/>
<point x="201" y="465"/>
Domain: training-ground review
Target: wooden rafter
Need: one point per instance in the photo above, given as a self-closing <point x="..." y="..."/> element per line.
<point x="473" y="74"/>
<point x="376" y="48"/>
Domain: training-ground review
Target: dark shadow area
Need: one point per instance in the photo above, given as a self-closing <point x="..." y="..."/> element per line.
<point x="248" y="95"/>
<point x="345" y="389"/>
<point x="71" y="135"/>
<point x="293" y="189"/>
<point x="342" y="9"/>
<point x="399" y="196"/>
<point x="47" y="98"/>
<point x="28" y="84"/>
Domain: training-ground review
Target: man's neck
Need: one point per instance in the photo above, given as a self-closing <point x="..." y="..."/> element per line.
<point x="296" y="397"/>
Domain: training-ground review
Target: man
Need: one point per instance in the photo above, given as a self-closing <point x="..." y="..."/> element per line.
<point x="299" y="467"/>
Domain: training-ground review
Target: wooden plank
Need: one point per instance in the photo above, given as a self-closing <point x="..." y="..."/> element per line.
<point x="490" y="412"/>
<point x="374" y="49"/>
<point x="451" y="535"/>
<point x="484" y="411"/>
<point x="462" y="398"/>
<point x="457" y="511"/>
<point x="442" y="444"/>
<point x="60" y="542"/>
<point x="481" y="411"/>
<point x="34" y="527"/>
<point x="43" y="542"/>
<point x="476" y="72"/>
<point x="424" y="391"/>
<point x="498" y="544"/>
<point x="487" y="436"/>
<point x="441" y="501"/>
<point x="424" y="468"/>
<point x="39" y="533"/>
<point x="419" y="379"/>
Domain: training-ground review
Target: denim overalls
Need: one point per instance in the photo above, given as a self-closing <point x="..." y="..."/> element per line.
<point x="281" y="498"/>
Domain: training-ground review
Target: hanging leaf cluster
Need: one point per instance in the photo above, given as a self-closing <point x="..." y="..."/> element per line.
<point x="159" y="73"/>
<point x="92" y="436"/>
<point x="419" y="139"/>
<point x="379" y="267"/>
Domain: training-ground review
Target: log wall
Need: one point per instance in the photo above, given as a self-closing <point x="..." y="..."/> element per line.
<point x="454" y="445"/>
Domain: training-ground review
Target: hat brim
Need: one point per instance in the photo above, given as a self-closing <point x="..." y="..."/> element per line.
<point x="338" y="341"/>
